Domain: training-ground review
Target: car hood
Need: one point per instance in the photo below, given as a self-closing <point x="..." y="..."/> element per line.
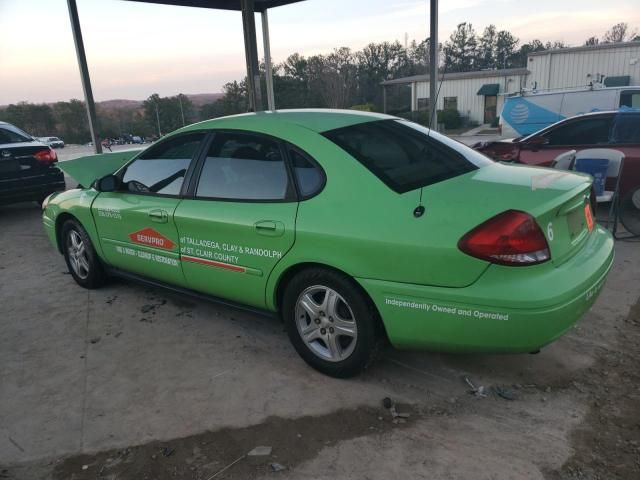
<point x="85" y="170"/>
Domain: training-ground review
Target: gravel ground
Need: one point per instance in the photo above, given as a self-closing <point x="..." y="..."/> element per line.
<point x="131" y="382"/>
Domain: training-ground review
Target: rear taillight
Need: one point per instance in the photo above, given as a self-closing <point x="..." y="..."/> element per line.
<point x="47" y="155"/>
<point x="510" y="238"/>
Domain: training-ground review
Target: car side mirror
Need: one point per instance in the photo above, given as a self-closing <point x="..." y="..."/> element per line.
<point x="108" y="183"/>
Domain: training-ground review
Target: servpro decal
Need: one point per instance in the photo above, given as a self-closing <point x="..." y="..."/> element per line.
<point x="228" y="256"/>
<point x="447" y="310"/>
<point x="212" y="263"/>
<point x="113" y="213"/>
<point x="151" y="238"/>
<point x="190" y="245"/>
<point x="153" y="257"/>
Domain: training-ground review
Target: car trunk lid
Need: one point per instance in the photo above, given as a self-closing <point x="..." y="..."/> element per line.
<point x="17" y="160"/>
<point x="557" y="200"/>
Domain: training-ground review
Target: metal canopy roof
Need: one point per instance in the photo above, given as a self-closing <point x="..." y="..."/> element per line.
<point x="459" y="75"/>
<point x="248" y="9"/>
<point x="259" y="5"/>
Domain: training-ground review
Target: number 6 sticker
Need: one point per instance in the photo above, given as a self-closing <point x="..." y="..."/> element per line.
<point x="550" y="231"/>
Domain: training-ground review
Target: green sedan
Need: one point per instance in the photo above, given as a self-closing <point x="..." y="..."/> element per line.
<point x="355" y="228"/>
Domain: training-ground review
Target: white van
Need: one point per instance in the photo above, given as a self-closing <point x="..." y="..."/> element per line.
<point x="527" y="113"/>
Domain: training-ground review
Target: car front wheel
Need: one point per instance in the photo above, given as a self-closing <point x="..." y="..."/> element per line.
<point x="331" y="322"/>
<point x="81" y="258"/>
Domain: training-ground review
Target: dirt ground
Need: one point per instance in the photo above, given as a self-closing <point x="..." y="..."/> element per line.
<point x="607" y="443"/>
<point x="129" y="382"/>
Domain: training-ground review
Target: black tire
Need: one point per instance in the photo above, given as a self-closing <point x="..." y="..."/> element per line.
<point x="93" y="276"/>
<point x="360" y="310"/>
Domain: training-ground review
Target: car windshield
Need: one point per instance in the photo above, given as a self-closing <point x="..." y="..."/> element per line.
<point x="405" y="155"/>
<point x="11" y="134"/>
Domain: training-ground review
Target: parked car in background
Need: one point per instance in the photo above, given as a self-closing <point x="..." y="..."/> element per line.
<point x="354" y="227"/>
<point x="619" y="130"/>
<point x="27" y="167"/>
<point x="530" y="112"/>
<point x="53" y="142"/>
<point x="136" y="139"/>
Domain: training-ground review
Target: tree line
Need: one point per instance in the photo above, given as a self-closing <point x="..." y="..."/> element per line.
<point x="68" y="120"/>
<point x="341" y="79"/>
<point x="348" y="79"/>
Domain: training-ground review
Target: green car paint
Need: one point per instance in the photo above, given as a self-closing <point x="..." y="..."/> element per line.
<point x="429" y="293"/>
<point x="87" y="169"/>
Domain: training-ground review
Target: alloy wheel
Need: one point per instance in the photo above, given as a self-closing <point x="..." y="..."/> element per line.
<point x="77" y="251"/>
<point x="326" y="323"/>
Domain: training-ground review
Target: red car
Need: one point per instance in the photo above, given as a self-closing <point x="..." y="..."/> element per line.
<point x="619" y="130"/>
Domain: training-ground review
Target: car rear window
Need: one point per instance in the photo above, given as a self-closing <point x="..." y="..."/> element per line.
<point x="11" y="134"/>
<point x="404" y="155"/>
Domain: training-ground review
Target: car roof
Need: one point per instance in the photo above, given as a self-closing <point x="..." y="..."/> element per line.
<point x="317" y="120"/>
<point x="626" y="111"/>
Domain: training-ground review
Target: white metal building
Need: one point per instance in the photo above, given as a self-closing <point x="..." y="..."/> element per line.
<point x="479" y="95"/>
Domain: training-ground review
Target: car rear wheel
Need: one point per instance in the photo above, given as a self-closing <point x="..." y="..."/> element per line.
<point x="331" y="323"/>
<point x="81" y="258"/>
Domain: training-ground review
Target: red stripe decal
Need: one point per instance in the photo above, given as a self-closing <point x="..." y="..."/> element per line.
<point x="212" y="263"/>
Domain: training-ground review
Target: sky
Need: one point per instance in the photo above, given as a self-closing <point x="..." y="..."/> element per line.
<point x="136" y="49"/>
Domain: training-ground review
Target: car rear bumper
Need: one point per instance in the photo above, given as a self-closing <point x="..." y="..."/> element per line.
<point x="509" y="309"/>
<point x="33" y="187"/>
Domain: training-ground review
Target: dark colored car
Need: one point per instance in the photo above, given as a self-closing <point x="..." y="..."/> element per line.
<point x="27" y="167"/>
<point x="619" y="130"/>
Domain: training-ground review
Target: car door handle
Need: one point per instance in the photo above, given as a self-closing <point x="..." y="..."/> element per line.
<point x="270" y="228"/>
<point x="159" y="216"/>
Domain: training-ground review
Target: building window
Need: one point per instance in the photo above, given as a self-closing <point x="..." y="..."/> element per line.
<point x="451" y="103"/>
<point x="423" y="104"/>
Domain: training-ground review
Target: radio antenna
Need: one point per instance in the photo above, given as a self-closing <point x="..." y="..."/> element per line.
<point x="419" y="210"/>
<point x="435" y="104"/>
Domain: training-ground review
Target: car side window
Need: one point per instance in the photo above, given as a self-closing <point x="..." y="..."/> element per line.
<point x="626" y="129"/>
<point x="241" y="166"/>
<point x="630" y="99"/>
<point x="585" y="131"/>
<point x="309" y="176"/>
<point x="161" y="169"/>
